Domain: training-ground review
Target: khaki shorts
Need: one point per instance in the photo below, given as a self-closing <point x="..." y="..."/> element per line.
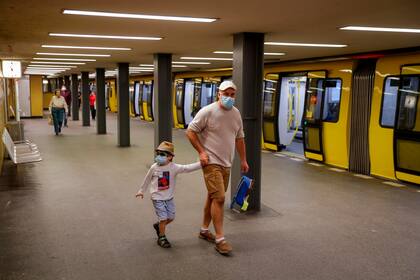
<point x="217" y="180"/>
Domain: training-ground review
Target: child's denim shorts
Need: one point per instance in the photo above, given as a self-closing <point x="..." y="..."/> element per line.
<point x="165" y="209"/>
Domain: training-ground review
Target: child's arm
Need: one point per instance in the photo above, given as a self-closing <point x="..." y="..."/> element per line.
<point x="146" y="183"/>
<point x="186" y="168"/>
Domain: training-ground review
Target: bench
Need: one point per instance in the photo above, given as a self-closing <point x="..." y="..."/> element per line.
<point x="21" y="151"/>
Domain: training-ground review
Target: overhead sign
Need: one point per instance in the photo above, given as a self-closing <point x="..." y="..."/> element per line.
<point x="11" y="69"/>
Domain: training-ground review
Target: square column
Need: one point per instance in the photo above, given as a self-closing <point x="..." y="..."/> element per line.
<point x="85" y="99"/>
<point x="100" y="101"/>
<point x="74" y="97"/>
<point x="123" y="123"/>
<point x="162" y="91"/>
<point x="248" y="66"/>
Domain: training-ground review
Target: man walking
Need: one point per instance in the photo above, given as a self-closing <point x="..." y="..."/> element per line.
<point x="215" y="132"/>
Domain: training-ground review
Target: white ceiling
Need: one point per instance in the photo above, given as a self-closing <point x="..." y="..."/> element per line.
<point x="24" y="26"/>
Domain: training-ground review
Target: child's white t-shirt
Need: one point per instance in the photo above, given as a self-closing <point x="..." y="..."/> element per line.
<point x="162" y="179"/>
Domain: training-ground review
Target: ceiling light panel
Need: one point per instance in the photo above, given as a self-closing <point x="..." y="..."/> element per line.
<point x="58" y="62"/>
<point x="63" y="59"/>
<point x="106" y="36"/>
<point x="305" y="45"/>
<point x="227" y="52"/>
<point x="381" y="29"/>
<point x="137" y="16"/>
<point x="75" y="54"/>
<point x="86" y="47"/>
<point x="53" y="66"/>
<point x="191" y="62"/>
<point x="207" y="58"/>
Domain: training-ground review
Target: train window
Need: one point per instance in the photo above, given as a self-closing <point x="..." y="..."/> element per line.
<point x="208" y="92"/>
<point x="389" y="101"/>
<point x="313" y="99"/>
<point x="179" y="88"/>
<point x="270" y="88"/>
<point x="408" y="105"/>
<point x="332" y="99"/>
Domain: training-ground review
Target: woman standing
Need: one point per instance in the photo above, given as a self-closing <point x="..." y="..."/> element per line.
<point x="58" y="107"/>
<point x="92" y="103"/>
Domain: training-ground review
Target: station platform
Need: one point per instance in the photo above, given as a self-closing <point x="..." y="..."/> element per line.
<point x="74" y="216"/>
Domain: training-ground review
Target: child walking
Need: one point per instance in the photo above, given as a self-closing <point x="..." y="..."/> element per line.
<point x="161" y="179"/>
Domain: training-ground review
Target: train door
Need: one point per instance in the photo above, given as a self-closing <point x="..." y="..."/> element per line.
<point x="24" y="96"/>
<point x="291" y="105"/>
<point x="136" y="98"/>
<point x="270" y="105"/>
<point x="131" y="102"/>
<point x="191" y="99"/>
<point x="407" y="130"/>
<point x="148" y="99"/>
<point x="312" y="120"/>
<point x="179" y="101"/>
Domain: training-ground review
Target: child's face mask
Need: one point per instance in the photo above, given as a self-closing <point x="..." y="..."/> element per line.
<point x="161" y="159"/>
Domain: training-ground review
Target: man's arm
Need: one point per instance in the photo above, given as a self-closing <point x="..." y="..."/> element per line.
<point x="240" y="147"/>
<point x="193" y="137"/>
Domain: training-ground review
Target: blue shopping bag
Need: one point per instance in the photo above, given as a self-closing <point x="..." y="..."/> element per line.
<point x="242" y="193"/>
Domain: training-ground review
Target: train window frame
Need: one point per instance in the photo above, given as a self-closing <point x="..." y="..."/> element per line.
<point x="325" y="95"/>
<point x="398" y="103"/>
<point x="382" y="101"/>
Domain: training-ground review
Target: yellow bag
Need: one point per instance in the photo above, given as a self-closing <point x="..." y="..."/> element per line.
<point x="50" y="120"/>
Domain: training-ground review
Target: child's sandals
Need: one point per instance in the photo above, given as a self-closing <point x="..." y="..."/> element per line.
<point x="163" y="242"/>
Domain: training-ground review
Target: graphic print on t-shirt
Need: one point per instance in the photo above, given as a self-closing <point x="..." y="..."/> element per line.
<point x="163" y="180"/>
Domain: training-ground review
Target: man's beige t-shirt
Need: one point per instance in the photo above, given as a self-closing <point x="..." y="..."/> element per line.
<point x="218" y="130"/>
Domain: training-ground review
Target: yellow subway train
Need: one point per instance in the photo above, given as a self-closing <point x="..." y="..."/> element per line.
<point x="361" y="113"/>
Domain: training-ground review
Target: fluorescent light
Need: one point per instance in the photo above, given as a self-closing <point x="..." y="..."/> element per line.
<point x="87" y="48"/>
<point x="64" y="59"/>
<point x="381" y="29"/>
<point x="105" y="36"/>
<point x="273" y="53"/>
<point x="191" y="62"/>
<point x="207" y="58"/>
<point x="141" y="68"/>
<point x="147" y="65"/>
<point x="223" y="52"/>
<point x="305" y="45"/>
<point x="75" y="54"/>
<point x="45" y="68"/>
<point x="137" y="16"/>
<point x="226" y="52"/>
<point x="51" y="65"/>
<point x="179" y="66"/>
<point x="56" y="62"/>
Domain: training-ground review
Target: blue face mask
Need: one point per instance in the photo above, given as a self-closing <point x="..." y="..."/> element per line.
<point x="227" y="102"/>
<point x="161" y="160"/>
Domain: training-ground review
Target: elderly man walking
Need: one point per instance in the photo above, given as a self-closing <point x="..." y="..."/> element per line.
<point x="215" y="132"/>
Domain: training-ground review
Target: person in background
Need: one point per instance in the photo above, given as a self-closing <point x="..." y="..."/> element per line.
<point x="79" y="97"/>
<point x="67" y="96"/>
<point x="92" y="104"/>
<point x="58" y="109"/>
